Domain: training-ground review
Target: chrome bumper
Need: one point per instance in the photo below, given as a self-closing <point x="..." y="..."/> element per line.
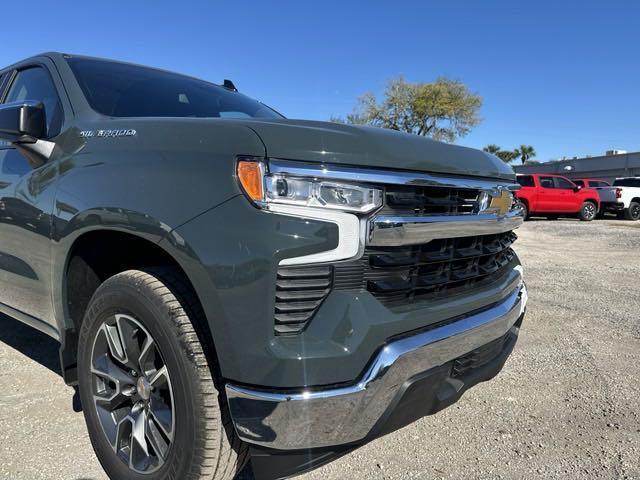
<point x="322" y="418"/>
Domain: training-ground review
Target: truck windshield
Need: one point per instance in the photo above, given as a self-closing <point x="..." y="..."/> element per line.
<point x="627" y="182"/>
<point x="122" y="90"/>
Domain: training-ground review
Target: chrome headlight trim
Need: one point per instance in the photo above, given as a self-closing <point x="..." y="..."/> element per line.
<point x="349" y="240"/>
<point x="326" y="171"/>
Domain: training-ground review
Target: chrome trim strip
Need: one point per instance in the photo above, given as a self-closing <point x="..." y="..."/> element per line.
<point x="310" y="419"/>
<point x="395" y="177"/>
<point x="349" y="238"/>
<point x="387" y="230"/>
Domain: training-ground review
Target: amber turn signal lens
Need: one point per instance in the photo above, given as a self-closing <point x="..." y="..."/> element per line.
<point x="250" y="176"/>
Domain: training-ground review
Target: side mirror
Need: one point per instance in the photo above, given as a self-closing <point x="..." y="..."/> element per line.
<point x="577" y="188"/>
<point x="22" y="122"/>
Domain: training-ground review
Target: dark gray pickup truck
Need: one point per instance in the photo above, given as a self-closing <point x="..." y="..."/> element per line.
<point x="229" y="285"/>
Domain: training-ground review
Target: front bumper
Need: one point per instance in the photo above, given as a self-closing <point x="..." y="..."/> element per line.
<point x="330" y="417"/>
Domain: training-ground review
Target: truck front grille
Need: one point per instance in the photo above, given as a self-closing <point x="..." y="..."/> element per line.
<point x="299" y="293"/>
<point x="420" y="200"/>
<point x="396" y="276"/>
<point x="400" y="275"/>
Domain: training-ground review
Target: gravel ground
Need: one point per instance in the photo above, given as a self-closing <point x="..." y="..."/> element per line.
<point x="566" y="405"/>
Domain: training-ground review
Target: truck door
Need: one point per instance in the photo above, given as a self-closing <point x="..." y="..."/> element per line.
<point x="26" y="204"/>
<point x="568" y="198"/>
<point x="548" y="197"/>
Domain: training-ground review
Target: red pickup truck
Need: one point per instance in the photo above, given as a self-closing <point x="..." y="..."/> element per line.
<point x="553" y="195"/>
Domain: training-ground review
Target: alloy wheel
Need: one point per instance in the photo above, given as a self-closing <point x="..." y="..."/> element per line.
<point x="132" y="393"/>
<point x="635" y="211"/>
<point x="590" y="210"/>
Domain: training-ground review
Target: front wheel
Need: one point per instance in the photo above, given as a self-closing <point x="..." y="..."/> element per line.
<point x="150" y="403"/>
<point x="524" y="211"/>
<point x="588" y="211"/>
<point x="633" y="212"/>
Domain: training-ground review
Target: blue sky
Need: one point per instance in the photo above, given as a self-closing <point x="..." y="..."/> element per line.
<point x="561" y="76"/>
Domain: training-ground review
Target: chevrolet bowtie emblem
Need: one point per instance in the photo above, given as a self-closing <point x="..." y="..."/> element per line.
<point x="502" y="202"/>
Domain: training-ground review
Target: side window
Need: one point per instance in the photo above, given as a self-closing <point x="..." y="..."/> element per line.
<point x="34" y="83"/>
<point x="563" y="183"/>
<point x="580" y="183"/>
<point x="525" y="180"/>
<point x="547" y="182"/>
<point x="598" y="184"/>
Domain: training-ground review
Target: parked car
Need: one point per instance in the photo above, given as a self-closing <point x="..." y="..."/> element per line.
<point x="229" y="284"/>
<point x="623" y="198"/>
<point x="553" y="195"/>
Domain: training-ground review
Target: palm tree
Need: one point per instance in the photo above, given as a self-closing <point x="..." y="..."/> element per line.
<point x="492" y="149"/>
<point x="525" y="152"/>
<point x="505" y="155"/>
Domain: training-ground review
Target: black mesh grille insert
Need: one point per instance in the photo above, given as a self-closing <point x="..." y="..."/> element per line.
<point x="419" y="200"/>
<point x="401" y="275"/>
<point x="299" y="293"/>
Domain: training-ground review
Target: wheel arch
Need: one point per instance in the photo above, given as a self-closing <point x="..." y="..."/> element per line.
<point x="594" y="200"/>
<point x="95" y="255"/>
<point x="526" y="202"/>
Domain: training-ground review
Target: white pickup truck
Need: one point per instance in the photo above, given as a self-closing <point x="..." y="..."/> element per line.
<point x="622" y="198"/>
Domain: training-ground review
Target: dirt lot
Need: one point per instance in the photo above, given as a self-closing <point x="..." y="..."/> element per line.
<point x="566" y="405"/>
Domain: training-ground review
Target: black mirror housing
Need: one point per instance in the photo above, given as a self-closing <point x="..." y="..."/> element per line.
<point x="22" y="122"/>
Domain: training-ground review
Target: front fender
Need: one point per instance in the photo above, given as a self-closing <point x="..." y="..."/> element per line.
<point x="146" y="185"/>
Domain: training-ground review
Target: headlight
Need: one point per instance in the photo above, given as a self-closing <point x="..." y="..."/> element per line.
<point x="265" y="189"/>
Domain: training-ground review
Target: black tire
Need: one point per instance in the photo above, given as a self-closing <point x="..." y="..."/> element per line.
<point x="203" y="444"/>
<point x="523" y="208"/>
<point x="588" y="211"/>
<point x="633" y="212"/>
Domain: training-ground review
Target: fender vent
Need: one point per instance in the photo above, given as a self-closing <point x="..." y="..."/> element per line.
<point x="299" y="293"/>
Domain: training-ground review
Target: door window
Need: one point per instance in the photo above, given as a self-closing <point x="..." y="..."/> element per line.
<point x="547" y="182"/>
<point x="34" y="83"/>
<point x="3" y="78"/>
<point x="525" y="180"/>
<point x="564" y="183"/>
<point x="596" y="183"/>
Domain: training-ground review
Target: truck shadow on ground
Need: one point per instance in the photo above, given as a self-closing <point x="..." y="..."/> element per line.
<point x="36" y="345"/>
<point x="30" y="342"/>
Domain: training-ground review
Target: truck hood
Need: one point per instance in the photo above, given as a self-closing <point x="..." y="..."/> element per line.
<point x="326" y="142"/>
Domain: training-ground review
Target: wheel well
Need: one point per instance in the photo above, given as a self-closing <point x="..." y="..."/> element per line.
<point x="525" y="201"/>
<point x="94" y="257"/>
<point x="637" y="199"/>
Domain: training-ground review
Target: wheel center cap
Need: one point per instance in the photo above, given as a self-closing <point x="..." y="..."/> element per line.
<point x="144" y="388"/>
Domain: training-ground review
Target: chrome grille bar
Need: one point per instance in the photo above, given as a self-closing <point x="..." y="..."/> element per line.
<point x="387" y="231"/>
